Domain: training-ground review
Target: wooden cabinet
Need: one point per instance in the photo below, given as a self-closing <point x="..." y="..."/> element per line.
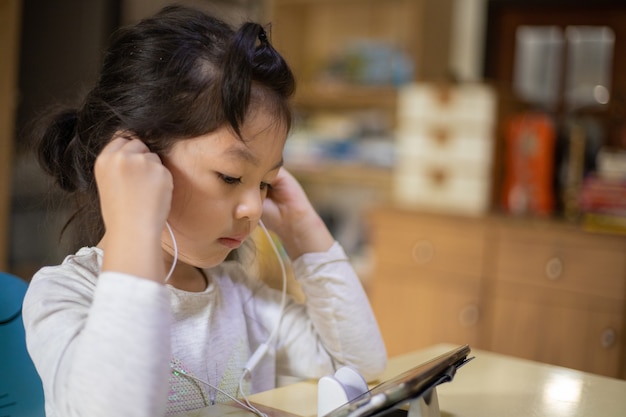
<point x="346" y="99"/>
<point x="535" y="289"/>
<point x="557" y="295"/>
<point x="428" y="279"/>
<point x="311" y="34"/>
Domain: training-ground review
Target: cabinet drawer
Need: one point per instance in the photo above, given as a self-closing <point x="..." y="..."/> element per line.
<point x="417" y="313"/>
<point x="473" y="103"/>
<point x="570" y="330"/>
<point x="446" y="143"/>
<point x="561" y="261"/>
<point x="449" y="244"/>
<point x="440" y="173"/>
<point x="426" y="278"/>
<point x="439" y="188"/>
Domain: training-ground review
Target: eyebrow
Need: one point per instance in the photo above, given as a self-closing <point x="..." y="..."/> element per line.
<point x="243" y="153"/>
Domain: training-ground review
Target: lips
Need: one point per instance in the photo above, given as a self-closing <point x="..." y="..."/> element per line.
<point x="232" y="242"/>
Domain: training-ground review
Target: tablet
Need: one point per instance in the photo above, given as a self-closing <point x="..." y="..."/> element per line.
<point x="406" y="386"/>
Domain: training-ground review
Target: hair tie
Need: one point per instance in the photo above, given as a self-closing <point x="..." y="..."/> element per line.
<point x="262" y="36"/>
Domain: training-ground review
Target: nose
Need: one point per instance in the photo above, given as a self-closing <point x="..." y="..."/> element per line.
<point x="250" y="205"/>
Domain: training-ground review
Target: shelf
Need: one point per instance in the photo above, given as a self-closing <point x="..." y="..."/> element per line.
<point x="311" y="33"/>
<point x="346" y="96"/>
<point x="335" y="173"/>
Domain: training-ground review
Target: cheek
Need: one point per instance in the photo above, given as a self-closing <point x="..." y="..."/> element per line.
<point x="182" y="196"/>
<point x="199" y="205"/>
<point x="192" y="200"/>
<point x="186" y="178"/>
<point x="187" y="189"/>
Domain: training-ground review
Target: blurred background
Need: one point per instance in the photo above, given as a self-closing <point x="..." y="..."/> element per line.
<point x="470" y="155"/>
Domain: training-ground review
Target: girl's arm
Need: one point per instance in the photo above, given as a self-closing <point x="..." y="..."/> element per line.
<point x="340" y="320"/>
<point x="102" y="345"/>
<point x="341" y="328"/>
<point x="135" y="191"/>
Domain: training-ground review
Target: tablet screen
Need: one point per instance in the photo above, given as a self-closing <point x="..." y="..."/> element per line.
<point x="406" y="386"/>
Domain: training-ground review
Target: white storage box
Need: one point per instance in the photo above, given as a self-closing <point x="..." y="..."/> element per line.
<point x="442" y="104"/>
<point x="445" y="144"/>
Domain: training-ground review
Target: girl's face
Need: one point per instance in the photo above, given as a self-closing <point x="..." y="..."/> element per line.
<point x="220" y="183"/>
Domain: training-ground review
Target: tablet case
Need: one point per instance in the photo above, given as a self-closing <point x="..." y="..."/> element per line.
<point x="416" y="383"/>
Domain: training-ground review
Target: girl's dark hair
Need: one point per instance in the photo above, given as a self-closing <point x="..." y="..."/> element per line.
<point x="177" y="75"/>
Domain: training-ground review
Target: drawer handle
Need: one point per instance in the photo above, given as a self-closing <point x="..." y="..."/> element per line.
<point x="441" y="136"/>
<point x="438" y="177"/>
<point x="423" y="252"/>
<point x="608" y="337"/>
<point x="469" y="315"/>
<point x="554" y="269"/>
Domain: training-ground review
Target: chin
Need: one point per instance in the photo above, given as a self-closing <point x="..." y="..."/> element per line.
<point x="203" y="262"/>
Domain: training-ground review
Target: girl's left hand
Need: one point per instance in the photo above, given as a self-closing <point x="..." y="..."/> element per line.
<point x="288" y="212"/>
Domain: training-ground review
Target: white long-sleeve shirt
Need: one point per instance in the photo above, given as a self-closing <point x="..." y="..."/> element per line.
<point x="111" y="344"/>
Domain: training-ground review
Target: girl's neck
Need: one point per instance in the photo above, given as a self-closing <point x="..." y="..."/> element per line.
<point x="184" y="277"/>
<point x="187" y="277"/>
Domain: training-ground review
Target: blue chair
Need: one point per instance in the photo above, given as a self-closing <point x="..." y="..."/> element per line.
<point x="21" y="392"/>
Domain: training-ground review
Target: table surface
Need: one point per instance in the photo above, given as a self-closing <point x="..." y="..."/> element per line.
<point x="490" y="385"/>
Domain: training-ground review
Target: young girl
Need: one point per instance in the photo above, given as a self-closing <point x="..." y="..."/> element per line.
<point x="178" y="153"/>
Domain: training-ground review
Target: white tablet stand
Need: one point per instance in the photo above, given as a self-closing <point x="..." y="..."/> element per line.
<point x="426" y="405"/>
<point x="347" y="384"/>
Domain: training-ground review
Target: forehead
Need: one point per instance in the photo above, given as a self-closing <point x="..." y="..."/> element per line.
<point x="262" y="138"/>
<point x="261" y="143"/>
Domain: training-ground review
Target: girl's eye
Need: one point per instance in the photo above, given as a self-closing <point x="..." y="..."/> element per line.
<point x="266" y="186"/>
<point x="230" y="180"/>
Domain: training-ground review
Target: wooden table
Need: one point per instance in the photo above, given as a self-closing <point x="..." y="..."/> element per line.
<point x="490" y="385"/>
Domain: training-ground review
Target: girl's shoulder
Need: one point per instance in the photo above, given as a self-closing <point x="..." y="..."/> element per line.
<point x="81" y="268"/>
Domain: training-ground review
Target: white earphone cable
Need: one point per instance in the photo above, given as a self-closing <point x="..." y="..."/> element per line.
<point x="245" y="405"/>
<point x="263" y="348"/>
<point x="169" y="274"/>
<point x="283" y="270"/>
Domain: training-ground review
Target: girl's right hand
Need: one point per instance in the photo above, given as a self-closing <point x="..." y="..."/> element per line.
<point x="135" y="191"/>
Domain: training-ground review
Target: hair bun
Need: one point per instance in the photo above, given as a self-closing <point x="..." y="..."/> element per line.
<point x="56" y="148"/>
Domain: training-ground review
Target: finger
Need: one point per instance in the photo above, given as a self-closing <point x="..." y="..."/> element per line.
<point x="114" y="145"/>
<point x="129" y="146"/>
<point x="135" y="146"/>
<point x="280" y="178"/>
<point x="282" y="173"/>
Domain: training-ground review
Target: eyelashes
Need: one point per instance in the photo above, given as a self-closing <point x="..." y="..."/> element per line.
<point x="227" y="179"/>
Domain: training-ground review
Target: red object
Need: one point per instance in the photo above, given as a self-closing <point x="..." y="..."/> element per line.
<point x="529" y="169"/>
<point x="603" y="195"/>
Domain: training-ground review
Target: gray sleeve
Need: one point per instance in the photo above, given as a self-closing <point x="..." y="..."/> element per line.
<point x="100" y="351"/>
<point x="340" y="327"/>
